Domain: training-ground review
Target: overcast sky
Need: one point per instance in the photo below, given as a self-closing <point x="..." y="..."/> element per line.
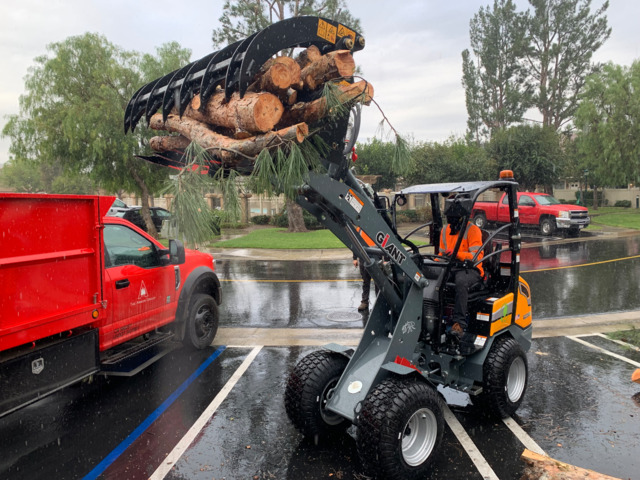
<point x="412" y="55"/>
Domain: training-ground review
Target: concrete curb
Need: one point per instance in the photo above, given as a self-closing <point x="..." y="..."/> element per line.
<point x="287" y="337"/>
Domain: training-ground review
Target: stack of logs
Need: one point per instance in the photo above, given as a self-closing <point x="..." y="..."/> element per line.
<point x="269" y="112"/>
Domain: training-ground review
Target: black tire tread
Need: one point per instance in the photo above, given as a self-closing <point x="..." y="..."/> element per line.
<point x="307" y="380"/>
<point x="190" y="339"/>
<point x="494" y="395"/>
<point x="382" y="418"/>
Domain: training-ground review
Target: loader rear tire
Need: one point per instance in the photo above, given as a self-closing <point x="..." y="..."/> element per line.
<point x="505" y="374"/>
<point x="309" y="387"/>
<point x="400" y="429"/>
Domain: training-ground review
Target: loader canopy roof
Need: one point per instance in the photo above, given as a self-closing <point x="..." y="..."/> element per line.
<point x="473" y="189"/>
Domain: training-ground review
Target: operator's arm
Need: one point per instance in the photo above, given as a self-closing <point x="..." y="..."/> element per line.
<point x="474" y="238"/>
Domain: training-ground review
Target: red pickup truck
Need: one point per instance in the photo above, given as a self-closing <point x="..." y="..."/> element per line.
<point x="537" y="209"/>
<point x="83" y="294"/>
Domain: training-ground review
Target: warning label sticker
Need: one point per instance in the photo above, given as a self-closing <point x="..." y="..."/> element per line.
<point x="354" y="201"/>
<point x="326" y="31"/>
<point x="346" y="32"/>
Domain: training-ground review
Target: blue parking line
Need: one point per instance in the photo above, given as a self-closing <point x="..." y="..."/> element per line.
<point x="126" y="443"/>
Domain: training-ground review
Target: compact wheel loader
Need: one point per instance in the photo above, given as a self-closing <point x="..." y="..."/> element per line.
<point x="386" y="387"/>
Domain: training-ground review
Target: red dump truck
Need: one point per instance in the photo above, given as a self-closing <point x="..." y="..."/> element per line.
<point x="534" y="209"/>
<point x="82" y="294"/>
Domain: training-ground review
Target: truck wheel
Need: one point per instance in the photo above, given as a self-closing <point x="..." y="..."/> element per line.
<point x="505" y="374"/>
<point x="400" y="429"/>
<point x="202" y="322"/>
<point x="547" y="226"/>
<point x="480" y="219"/>
<point x="309" y="387"/>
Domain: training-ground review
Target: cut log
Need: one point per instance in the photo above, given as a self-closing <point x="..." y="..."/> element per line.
<point x="278" y="75"/>
<point x="335" y="64"/>
<point x="255" y="112"/>
<point x="229" y="150"/>
<point x="308" y="56"/>
<point x="313" y="111"/>
<point x="543" y="467"/>
<point x="169" y="142"/>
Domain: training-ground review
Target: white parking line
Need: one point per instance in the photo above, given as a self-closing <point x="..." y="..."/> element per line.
<point x="619" y="342"/>
<point x="199" y="424"/>
<point x="602" y="350"/>
<point x="474" y="454"/>
<point x="523" y="436"/>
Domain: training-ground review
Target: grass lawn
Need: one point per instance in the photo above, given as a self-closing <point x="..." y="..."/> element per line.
<point x="629" y="336"/>
<point x="271" y="238"/>
<point x="617" y="217"/>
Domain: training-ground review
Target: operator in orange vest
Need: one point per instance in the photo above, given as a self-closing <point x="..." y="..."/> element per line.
<point x="465" y="275"/>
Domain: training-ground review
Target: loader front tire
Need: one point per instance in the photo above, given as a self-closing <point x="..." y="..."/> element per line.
<point x="308" y="390"/>
<point x="505" y="375"/>
<point x="400" y="429"/>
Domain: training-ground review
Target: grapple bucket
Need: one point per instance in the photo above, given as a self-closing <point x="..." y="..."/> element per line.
<point x="234" y="67"/>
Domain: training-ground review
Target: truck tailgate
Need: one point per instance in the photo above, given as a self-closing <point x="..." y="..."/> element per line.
<point x="50" y="264"/>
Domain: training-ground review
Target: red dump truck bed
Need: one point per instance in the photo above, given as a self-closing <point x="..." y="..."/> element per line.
<point x="50" y="264"/>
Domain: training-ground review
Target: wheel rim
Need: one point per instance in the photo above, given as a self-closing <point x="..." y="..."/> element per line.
<point x="204" y="321"/>
<point x="546" y="228"/>
<point x="480" y="222"/>
<point x="328" y="417"/>
<point x="419" y="437"/>
<point x="516" y="379"/>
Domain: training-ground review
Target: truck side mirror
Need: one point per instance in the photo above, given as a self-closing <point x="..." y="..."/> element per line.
<point x="176" y="252"/>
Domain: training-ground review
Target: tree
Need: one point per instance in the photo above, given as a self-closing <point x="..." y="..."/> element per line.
<point x="493" y="78"/>
<point x="562" y="36"/>
<point x="71" y="115"/>
<point x="242" y="18"/>
<point x="374" y="158"/>
<point x="532" y="152"/>
<point x="31" y="177"/>
<point x="608" y="126"/>
<point x="451" y="161"/>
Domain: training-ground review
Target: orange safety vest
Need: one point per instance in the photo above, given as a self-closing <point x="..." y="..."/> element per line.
<point x="471" y="243"/>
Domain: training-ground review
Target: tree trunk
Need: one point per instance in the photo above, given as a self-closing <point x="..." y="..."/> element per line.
<point x="541" y="466"/>
<point x="294" y="214"/>
<point x="169" y="142"/>
<point x="311" y="112"/>
<point x="256" y="112"/>
<point x="144" y="200"/>
<point x="230" y="150"/>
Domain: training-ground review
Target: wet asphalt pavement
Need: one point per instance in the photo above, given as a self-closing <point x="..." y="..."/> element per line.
<point x="225" y="403"/>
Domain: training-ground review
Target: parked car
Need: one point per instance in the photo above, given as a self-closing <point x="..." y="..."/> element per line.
<point x="535" y="209"/>
<point x="116" y="206"/>
<point x="134" y="215"/>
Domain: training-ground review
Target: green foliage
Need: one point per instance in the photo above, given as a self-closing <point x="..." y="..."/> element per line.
<point x="374" y="158"/>
<point x="72" y="112"/>
<point x="261" y="219"/>
<point x="281" y="220"/>
<point x="242" y="18"/>
<point x="420" y="215"/>
<point x="496" y="92"/>
<point x="608" y="123"/>
<point x="563" y="35"/>
<point x="623" y="204"/>
<point x="587" y="198"/>
<point x="196" y="222"/>
<point x="451" y="161"/>
<point x="532" y="152"/>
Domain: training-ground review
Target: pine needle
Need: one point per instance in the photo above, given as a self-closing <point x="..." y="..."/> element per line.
<point x="194" y="220"/>
<point x="335" y="107"/>
<point x="228" y="185"/>
<point x="401" y="156"/>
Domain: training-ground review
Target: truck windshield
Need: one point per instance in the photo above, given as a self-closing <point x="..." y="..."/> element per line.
<point x="546" y="200"/>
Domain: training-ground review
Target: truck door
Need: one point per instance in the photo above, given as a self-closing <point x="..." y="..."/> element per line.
<point x="503" y="209"/>
<point x="528" y="210"/>
<point x="139" y="286"/>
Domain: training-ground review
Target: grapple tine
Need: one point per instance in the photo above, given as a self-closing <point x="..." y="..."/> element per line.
<point x="186" y="89"/>
<point x="233" y="73"/>
<point x="235" y="66"/>
<point x="128" y="113"/>
<point x="214" y="75"/>
<point x="171" y="94"/>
